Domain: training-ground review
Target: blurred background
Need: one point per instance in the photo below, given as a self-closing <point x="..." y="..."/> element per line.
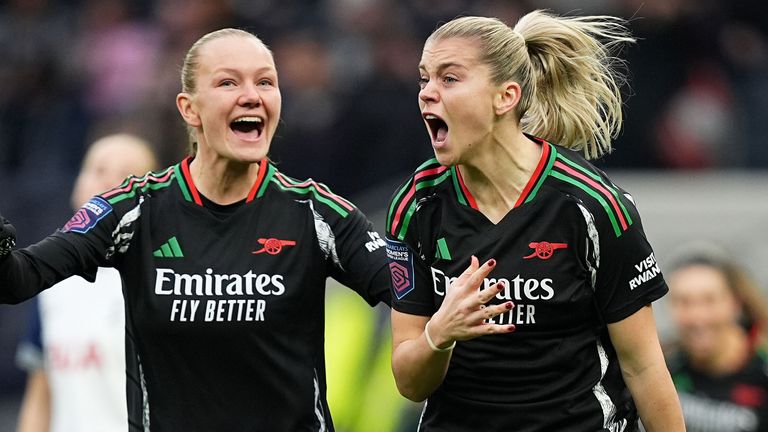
<point x="692" y="150"/>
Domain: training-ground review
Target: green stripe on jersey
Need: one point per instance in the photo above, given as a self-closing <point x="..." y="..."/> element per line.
<point x="180" y="180"/>
<point x="594" y="194"/>
<point x="412" y="208"/>
<point x="265" y="181"/>
<point x="543" y="176"/>
<point x="457" y="187"/>
<point x="142" y="184"/>
<point x="600" y="180"/>
<point x="310" y="189"/>
<point x="396" y="200"/>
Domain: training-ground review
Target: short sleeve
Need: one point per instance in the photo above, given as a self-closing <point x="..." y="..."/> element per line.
<point x="411" y="287"/>
<point x="628" y="275"/>
<point x="362" y="261"/>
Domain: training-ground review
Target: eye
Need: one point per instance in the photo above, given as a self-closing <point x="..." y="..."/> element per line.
<point x="423" y="82"/>
<point x="226" y="83"/>
<point x="265" y="82"/>
<point x="448" y="79"/>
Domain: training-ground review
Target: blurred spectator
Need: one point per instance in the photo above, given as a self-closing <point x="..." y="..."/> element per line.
<point x="74" y="351"/>
<point x="720" y="369"/>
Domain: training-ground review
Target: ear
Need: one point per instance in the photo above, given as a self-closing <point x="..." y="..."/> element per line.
<point x="187" y="110"/>
<point x="507" y="98"/>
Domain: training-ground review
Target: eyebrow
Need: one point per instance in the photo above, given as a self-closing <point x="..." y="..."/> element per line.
<point x="443" y="66"/>
<point x="237" y="71"/>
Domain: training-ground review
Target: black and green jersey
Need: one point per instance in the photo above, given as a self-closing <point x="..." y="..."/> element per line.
<point x="729" y="402"/>
<point x="224" y="304"/>
<point x="574" y="257"/>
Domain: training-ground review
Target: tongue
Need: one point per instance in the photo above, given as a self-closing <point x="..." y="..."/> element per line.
<point x="442" y="132"/>
<point x="248" y="135"/>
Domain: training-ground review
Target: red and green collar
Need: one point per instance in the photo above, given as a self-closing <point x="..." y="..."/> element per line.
<point x="190" y="192"/>
<point x="547" y="159"/>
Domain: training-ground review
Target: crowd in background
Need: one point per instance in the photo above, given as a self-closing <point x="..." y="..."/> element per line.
<point x="73" y="70"/>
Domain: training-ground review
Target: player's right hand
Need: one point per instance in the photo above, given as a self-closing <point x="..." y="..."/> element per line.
<point x="463" y="313"/>
<point x="7" y="237"/>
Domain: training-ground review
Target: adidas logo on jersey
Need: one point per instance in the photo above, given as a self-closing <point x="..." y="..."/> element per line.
<point x="442" y="251"/>
<point x="169" y="249"/>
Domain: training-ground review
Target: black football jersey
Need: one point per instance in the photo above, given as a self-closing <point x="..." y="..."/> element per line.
<point x="733" y="402"/>
<point x="574" y="257"/>
<point x="224" y="304"/>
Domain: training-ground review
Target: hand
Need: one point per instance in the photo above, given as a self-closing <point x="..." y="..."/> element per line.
<point x="463" y="312"/>
<point x="7" y="237"/>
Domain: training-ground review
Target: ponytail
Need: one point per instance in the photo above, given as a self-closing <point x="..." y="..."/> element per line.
<point x="577" y="101"/>
<point x="566" y="68"/>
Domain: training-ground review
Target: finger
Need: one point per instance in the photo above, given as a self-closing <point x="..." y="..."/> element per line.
<point x="484" y="296"/>
<point x="488" y="312"/>
<point x="474" y="280"/>
<point x="487" y="329"/>
<point x="474" y="264"/>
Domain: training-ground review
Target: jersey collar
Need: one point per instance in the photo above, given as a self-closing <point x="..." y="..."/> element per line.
<point x="190" y="192"/>
<point x="531" y="188"/>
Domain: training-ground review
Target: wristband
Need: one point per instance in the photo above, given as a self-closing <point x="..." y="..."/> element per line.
<point x="432" y="344"/>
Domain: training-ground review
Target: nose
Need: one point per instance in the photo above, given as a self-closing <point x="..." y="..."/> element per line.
<point x="428" y="93"/>
<point x="250" y="96"/>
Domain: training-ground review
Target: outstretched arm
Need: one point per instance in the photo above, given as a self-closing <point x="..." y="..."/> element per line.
<point x="645" y="372"/>
<point x="35" y="413"/>
<point x="26" y="272"/>
<point x="422" y="346"/>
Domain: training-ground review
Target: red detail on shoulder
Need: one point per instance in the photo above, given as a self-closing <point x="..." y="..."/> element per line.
<point x="411" y="191"/>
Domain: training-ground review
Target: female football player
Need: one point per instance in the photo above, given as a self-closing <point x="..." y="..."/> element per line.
<point x="554" y="330"/>
<point x="223" y="258"/>
<point x="719" y="369"/>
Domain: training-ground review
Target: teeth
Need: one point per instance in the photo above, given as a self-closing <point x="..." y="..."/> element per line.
<point x="430" y="117"/>
<point x="247" y="119"/>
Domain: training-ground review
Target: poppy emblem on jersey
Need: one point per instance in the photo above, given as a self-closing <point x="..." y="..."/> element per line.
<point x="544" y="250"/>
<point x="272" y="246"/>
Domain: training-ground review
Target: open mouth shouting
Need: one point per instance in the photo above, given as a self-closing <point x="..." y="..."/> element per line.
<point x="438" y="129"/>
<point x="247" y="128"/>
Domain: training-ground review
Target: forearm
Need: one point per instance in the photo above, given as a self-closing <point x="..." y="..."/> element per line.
<point x="656" y="399"/>
<point x="26" y="272"/>
<point x="20" y="279"/>
<point x="645" y="372"/>
<point x="35" y="412"/>
<point x="418" y="370"/>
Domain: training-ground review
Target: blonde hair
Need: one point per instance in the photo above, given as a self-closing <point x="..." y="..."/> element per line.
<point x="191" y="64"/>
<point x="566" y="67"/>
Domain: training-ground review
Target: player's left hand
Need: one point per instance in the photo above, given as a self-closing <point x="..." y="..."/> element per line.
<point x="7" y="237"/>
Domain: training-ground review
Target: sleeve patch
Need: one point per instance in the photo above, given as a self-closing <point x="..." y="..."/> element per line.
<point x="647" y="269"/>
<point x="88" y="216"/>
<point x="400" y="268"/>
